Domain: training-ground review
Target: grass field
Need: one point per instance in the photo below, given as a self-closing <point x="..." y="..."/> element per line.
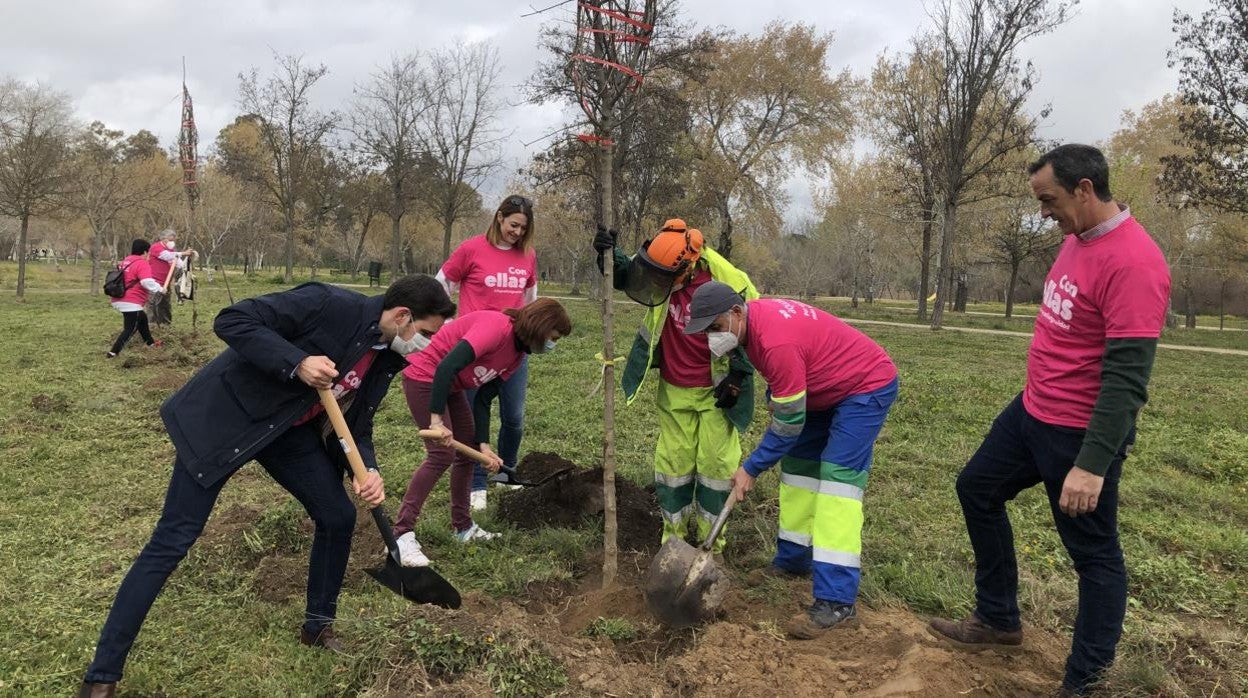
<point x="86" y="463"/>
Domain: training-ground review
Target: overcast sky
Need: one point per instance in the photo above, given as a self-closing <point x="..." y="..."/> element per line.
<point x="121" y="60"/>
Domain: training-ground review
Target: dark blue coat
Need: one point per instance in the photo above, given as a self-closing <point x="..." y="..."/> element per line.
<point x="248" y="396"/>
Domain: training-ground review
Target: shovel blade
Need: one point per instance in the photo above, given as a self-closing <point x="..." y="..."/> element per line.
<point x="418" y="584"/>
<point x="684" y="587"/>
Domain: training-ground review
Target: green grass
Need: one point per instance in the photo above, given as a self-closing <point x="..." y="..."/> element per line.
<point x="86" y="463"/>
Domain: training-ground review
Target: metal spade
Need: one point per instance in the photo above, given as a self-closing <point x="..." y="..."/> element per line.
<point x="684" y="586"/>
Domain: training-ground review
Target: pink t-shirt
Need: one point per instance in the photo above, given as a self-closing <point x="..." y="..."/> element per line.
<point x="686" y="357"/>
<point x="1115" y="286"/>
<point x="798" y="348"/>
<point x="345" y="384"/>
<point x="488" y="332"/>
<point x="490" y="278"/>
<point x="137" y="269"/>
<point x="160" y="268"/>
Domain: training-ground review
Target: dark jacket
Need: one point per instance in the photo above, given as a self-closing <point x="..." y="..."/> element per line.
<point x="248" y="396"/>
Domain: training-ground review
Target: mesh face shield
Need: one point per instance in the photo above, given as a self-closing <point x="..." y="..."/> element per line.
<point x="650" y="283"/>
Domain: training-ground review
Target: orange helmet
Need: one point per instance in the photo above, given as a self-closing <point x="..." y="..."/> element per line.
<point x="676" y="246"/>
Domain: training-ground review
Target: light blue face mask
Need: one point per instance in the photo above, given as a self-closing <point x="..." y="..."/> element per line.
<point x="548" y="347"/>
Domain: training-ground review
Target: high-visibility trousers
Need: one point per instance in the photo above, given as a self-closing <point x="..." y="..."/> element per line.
<point x="697" y="452"/>
<point x="822" y="481"/>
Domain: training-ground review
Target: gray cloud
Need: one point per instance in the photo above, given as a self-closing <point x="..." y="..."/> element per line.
<point x="121" y="60"/>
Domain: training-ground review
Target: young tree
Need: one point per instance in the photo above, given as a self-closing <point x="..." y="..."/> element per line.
<point x="980" y="109"/>
<point x="1212" y="58"/>
<point x="1016" y="233"/>
<point x="35" y="129"/>
<point x="385" y="123"/>
<point x="766" y="102"/>
<point x="290" y="131"/>
<point x="457" y="131"/>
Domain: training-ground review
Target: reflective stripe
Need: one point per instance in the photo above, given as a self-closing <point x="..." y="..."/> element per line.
<point x="810" y="484"/>
<point x="836" y="557"/>
<point x="791" y="404"/>
<point x="795" y="537"/>
<point x="644" y="332"/>
<point x="706" y="514"/>
<point x="717" y="485"/>
<point x="779" y="428"/>
<point x="672" y="480"/>
<point x="676" y="517"/>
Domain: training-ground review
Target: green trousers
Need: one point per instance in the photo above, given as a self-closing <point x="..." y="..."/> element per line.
<point x="697" y="453"/>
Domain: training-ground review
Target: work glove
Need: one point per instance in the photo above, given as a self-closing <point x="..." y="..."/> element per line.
<point x="604" y="240"/>
<point x="729" y="389"/>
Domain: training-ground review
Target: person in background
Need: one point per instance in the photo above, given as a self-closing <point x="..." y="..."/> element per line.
<point x="498" y="271"/>
<point x="830" y="389"/>
<point x="704" y="399"/>
<point x="478" y="352"/>
<point x="139" y="285"/>
<point x="161" y="258"/>
<point x="1088" y="367"/>
<point x="258" y="399"/>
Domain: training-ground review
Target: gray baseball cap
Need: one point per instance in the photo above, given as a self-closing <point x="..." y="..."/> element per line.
<point x="712" y="299"/>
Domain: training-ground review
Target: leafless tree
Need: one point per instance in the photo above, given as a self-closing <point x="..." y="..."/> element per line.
<point x="35" y="129"/>
<point x="384" y="122"/>
<point x="291" y="130"/>
<point x="1017" y="235"/>
<point x="457" y="131"/>
<point x="981" y="106"/>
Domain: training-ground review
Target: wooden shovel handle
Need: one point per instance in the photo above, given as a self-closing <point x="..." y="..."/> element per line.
<point x="462" y="448"/>
<point x="358" y="470"/>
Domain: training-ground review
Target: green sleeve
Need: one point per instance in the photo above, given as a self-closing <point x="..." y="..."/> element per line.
<point x="619" y="268"/>
<point x="457" y="360"/>
<point x="1125" y="369"/>
<point x="481" y="409"/>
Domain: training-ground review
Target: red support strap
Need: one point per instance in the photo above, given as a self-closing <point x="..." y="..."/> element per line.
<point x="618" y="16"/>
<point x="601" y="61"/>
<point x="619" y="35"/>
<point x="591" y="138"/>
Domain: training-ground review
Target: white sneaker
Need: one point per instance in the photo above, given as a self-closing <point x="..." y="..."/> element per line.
<point x="477" y="501"/>
<point x="410" y="554"/>
<point x="474" y="533"/>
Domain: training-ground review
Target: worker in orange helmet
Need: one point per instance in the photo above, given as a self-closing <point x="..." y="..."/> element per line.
<point x="705" y="396"/>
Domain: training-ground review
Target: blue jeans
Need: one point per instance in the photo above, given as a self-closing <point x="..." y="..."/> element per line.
<point x="298" y="462"/>
<point x="511" y="393"/>
<point x="1019" y="452"/>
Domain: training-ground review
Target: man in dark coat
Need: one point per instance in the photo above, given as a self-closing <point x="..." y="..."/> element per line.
<point x="258" y="400"/>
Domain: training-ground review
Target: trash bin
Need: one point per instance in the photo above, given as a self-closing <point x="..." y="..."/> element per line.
<point x="374" y="273"/>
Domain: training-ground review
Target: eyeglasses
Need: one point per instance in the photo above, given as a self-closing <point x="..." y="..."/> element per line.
<point x="520" y="201"/>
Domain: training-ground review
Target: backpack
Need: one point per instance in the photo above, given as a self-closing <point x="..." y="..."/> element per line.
<point x="115" y="285"/>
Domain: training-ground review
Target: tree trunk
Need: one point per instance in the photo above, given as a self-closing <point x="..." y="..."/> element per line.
<point x="21" y="258"/>
<point x="316" y="248"/>
<point x="1009" y="290"/>
<point x="1189" y="300"/>
<point x="96" y="239"/>
<point x="289" y="276"/>
<point x="610" y="553"/>
<point x="725" y="233"/>
<point x="396" y="240"/>
<point x="446" y="237"/>
<point x="943" y="273"/>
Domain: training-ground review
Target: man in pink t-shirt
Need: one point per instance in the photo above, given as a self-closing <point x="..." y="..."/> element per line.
<point x="830" y="388"/>
<point x="163" y="257"/>
<point x="1088" y="368"/>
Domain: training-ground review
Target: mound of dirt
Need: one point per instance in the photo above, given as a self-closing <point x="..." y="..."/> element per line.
<point x="576" y="498"/>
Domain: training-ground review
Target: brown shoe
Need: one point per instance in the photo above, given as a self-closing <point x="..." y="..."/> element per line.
<point x="326" y="639"/>
<point x="973" y="635"/>
<point x="97" y="690"/>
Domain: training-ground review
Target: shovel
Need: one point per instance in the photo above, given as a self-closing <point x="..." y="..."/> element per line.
<point x="506" y="474"/>
<point x="684" y="585"/>
<point x="419" y="584"/>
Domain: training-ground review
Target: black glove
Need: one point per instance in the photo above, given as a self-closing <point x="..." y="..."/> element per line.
<point x="604" y="239"/>
<point x="729" y="389"/>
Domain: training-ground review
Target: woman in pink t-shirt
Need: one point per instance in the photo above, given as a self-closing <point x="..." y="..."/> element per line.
<point x="478" y="352"/>
<point x="498" y="271"/>
<point x="139" y="283"/>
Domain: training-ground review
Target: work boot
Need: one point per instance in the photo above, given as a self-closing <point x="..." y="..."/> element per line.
<point x="973" y="635"/>
<point x="325" y="639"/>
<point x="97" y="690"/>
<point x="821" y="617"/>
<point x="761" y="575"/>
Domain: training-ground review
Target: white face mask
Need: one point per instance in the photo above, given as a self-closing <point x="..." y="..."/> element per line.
<point x="418" y="342"/>
<point x="722" y="342"/>
<point x="170" y="244"/>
